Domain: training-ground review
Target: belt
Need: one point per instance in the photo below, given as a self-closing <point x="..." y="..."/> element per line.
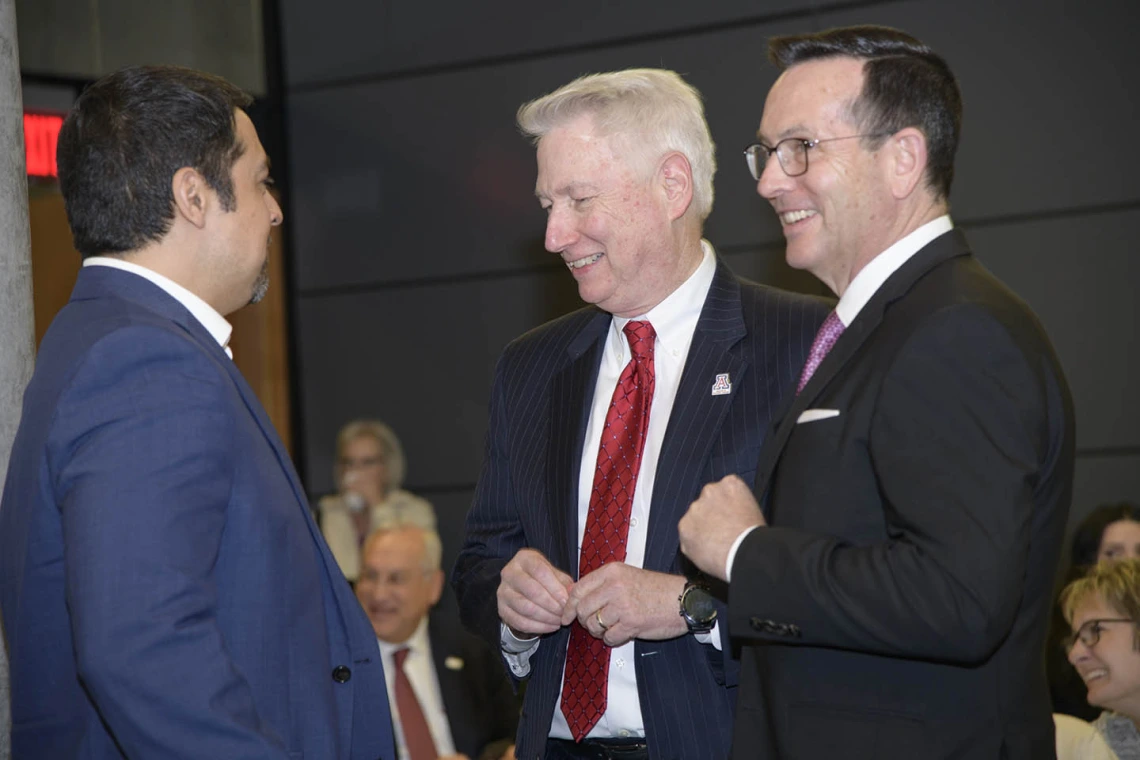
<point x="598" y="749"/>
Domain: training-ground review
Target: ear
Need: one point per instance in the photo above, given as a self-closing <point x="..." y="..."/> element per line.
<point x="192" y="195"/>
<point x="676" y="178"/>
<point x="436" y="588"/>
<point x="905" y="152"/>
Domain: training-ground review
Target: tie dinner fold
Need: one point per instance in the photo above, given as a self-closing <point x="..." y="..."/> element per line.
<point x="829" y="332"/>
<point x="417" y="735"/>
<point x="607" y="522"/>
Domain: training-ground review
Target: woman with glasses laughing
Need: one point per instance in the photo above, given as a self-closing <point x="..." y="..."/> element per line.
<point x="1103" y="610"/>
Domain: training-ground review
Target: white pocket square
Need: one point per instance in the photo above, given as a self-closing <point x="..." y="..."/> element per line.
<point x="811" y="415"/>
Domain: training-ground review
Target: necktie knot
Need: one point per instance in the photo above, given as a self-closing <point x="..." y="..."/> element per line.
<point x="401" y="655"/>
<point x="641" y="337"/>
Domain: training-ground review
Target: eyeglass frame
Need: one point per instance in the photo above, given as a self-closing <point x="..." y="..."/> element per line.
<point x="805" y="145"/>
<point x="1080" y="634"/>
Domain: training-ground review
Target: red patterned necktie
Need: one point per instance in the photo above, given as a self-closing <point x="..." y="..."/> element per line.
<point x="607" y="523"/>
<point x="829" y="332"/>
<point x="417" y="735"/>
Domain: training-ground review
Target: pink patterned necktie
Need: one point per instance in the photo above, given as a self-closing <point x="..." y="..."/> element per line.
<point x="607" y="523"/>
<point x="829" y="332"/>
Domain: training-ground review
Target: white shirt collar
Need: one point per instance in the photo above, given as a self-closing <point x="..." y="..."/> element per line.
<point x="417" y="642"/>
<point x="675" y="318"/>
<point x="872" y="276"/>
<point x="214" y="322"/>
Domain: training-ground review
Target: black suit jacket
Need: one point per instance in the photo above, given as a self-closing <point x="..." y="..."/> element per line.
<point x="481" y="706"/>
<point x="528" y="490"/>
<point x="897" y="607"/>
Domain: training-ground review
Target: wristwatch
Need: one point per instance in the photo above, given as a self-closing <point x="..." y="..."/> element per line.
<point x="698" y="607"/>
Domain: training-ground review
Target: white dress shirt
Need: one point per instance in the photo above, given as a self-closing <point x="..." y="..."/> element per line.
<point x="859" y="292"/>
<point x="420" y="669"/>
<point x="674" y="320"/>
<point x="214" y="322"/>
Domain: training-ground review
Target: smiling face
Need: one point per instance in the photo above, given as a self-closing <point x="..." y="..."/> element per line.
<point x="609" y="222"/>
<point x="839" y="214"/>
<point x="1120" y="540"/>
<point x="395" y="586"/>
<point x="1111" y="667"/>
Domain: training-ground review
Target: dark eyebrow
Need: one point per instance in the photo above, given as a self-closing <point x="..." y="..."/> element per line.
<point x="793" y="131"/>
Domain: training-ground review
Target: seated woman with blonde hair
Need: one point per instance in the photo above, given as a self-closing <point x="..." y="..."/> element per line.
<point x="369" y="473"/>
<point x="1103" y="611"/>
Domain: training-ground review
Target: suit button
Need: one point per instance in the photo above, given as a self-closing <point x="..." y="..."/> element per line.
<point x="341" y="674"/>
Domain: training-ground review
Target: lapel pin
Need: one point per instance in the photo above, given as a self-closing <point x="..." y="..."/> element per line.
<point x="722" y="386"/>
<point x="453" y="663"/>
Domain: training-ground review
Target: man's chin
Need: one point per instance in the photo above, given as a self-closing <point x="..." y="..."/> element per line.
<point x="260" y="285"/>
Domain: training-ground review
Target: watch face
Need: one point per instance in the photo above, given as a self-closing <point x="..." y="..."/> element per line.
<point x="699" y="605"/>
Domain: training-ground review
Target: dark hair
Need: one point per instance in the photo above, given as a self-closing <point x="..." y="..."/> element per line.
<point x="1090" y="531"/>
<point x="125" y="138"/>
<point x="906" y="84"/>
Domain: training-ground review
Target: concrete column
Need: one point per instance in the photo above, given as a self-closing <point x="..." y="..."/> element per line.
<point x="17" y="329"/>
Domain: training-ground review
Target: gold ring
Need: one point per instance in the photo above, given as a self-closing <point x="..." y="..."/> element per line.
<point x="598" y="617"/>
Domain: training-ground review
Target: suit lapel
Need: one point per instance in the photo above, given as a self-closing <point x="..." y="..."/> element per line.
<point x="571" y="397"/>
<point x="854" y="336"/>
<point x="697" y="415"/>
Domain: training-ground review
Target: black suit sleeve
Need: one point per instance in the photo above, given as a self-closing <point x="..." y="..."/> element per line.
<point x="954" y="441"/>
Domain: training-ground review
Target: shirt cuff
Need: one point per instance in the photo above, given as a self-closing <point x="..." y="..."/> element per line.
<point x="712" y="637"/>
<point x="517" y="652"/>
<point x="732" y="552"/>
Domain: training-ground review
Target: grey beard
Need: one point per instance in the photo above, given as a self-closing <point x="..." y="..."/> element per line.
<point x="261" y="284"/>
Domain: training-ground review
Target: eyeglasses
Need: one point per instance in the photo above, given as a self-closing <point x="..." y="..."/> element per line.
<point x="1089" y="632"/>
<point x="791" y="152"/>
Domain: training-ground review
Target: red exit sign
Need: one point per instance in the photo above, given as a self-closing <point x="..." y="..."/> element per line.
<point x="41" y="132"/>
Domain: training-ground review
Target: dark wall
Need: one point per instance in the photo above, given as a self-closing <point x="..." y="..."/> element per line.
<point x="418" y="242"/>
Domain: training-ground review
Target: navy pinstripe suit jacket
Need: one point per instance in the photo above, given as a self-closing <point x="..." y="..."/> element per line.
<point x="527" y="493"/>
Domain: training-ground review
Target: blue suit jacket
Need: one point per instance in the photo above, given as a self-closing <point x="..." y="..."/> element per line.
<point x="528" y="490"/>
<point x="165" y="592"/>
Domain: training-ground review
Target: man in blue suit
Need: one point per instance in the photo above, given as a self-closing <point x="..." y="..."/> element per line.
<point x="165" y="592"/>
<point x="572" y="538"/>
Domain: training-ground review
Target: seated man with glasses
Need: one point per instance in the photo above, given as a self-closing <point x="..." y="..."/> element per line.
<point x="1103" y="609"/>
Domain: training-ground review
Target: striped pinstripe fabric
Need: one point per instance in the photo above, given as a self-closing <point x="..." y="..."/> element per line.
<point x="527" y="493"/>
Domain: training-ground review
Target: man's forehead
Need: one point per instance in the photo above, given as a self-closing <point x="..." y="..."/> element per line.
<point x="810" y="97"/>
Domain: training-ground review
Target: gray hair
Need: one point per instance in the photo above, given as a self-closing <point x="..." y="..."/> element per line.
<point x="396" y="521"/>
<point x="654" y="109"/>
<point x="390" y="447"/>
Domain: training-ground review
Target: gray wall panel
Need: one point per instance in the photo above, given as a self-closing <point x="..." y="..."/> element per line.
<point x="86" y="39"/>
<point x="1079" y="274"/>
<point x="1100" y="480"/>
<point x="1047" y="86"/>
<point x="348" y="38"/>
<point x="421" y="359"/>
<point x="428" y="175"/>
<point x="425" y="175"/>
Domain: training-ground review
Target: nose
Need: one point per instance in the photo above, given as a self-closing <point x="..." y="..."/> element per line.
<point x="275" y="214"/>
<point x="1078" y="652"/>
<point x="561" y="229"/>
<point x="773" y="179"/>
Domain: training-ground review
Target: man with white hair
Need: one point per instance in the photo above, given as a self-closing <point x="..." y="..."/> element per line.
<point x="607" y="422"/>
